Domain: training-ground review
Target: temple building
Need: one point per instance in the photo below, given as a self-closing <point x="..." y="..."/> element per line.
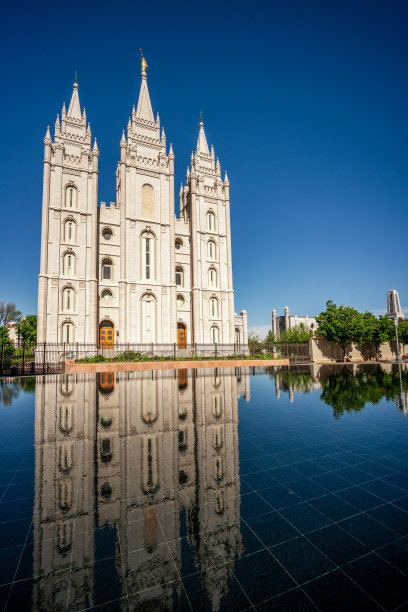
<point x="133" y="271"/>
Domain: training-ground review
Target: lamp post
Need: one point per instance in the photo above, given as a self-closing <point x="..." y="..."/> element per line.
<point x="396" y="338"/>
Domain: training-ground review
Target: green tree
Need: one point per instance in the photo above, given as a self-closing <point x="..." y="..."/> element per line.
<point x="270" y="338"/>
<point x="27" y="330"/>
<point x="5" y="342"/>
<point x="296" y="335"/>
<point x="403" y="332"/>
<point x="341" y="324"/>
<point x="8" y="313"/>
<point x="378" y="331"/>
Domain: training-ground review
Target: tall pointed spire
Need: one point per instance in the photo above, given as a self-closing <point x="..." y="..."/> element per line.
<point x="202" y="146"/>
<point x="144" y="106"/>
<point x="74" y="110"/>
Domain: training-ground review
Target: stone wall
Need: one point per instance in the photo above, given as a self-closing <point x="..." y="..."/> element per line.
<point x="321" y="350"/>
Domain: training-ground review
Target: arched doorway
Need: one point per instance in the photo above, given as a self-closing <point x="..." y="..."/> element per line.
<point x="181" y="335"/>
<point x="106" y="334"/>
<point x="106" y="382"/>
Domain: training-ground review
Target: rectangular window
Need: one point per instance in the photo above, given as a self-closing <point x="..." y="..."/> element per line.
<point x="106" y="272"/>
<point x="178" y="278"/>
<point x="147" y="257"/>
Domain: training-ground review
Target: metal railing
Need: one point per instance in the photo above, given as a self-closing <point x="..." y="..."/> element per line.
<point x="49" y="357"/>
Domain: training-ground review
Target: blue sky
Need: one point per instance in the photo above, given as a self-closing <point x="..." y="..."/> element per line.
<point x="305" y="103"/>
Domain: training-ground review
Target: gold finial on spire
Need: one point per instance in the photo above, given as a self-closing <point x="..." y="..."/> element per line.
<point x="201" y="117"/>
<point x="144" y="63"/>
<point x="76" y="76"/>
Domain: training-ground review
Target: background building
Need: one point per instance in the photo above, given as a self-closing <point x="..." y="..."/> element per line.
<point x="394" y="306"/>
<point x="131" y="271"/>
<point x="281" y="323"/>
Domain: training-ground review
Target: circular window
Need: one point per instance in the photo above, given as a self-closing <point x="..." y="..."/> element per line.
<point x="179" y="244"/>
<point x="106" y="295"/>
<point x="180" y="301"/>
<point x="107" y="234"/>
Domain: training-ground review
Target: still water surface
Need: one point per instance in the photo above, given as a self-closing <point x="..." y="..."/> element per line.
<point x="221" y="489"/>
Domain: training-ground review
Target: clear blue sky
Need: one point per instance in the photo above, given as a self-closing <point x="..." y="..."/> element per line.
<point x="305" y="103"/>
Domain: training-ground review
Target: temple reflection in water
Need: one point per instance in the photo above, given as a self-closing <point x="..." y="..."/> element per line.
<point x="131" y="471"/>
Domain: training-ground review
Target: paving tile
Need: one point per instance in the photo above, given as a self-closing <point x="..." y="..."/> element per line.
<point x="272" y="528"/>
<point x="336" y="592"/>
<point x="330" y="481"/>
<point x="387" y="585"/>
<point x="383" y="490"/>
<point x="391" y="516"/>
<point x="337" y="544"/>
<point x="360" y="498"/>
<point x="199" y="591"/>
<point x="333" y="507"/>
<point x="304" y="517"/>
<point x="372" y="533"/>
<point x="396" y="553"/>
<point x="302" y="560"/>
<point x="295" y="599"/>
<point x="307" y="489"/>
<point x="262" y="577"/>
<point x="280" y="496"/>
<point x="252" y="505"/>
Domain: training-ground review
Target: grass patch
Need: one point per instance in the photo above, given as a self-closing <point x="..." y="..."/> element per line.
<point x="134" y="356"/>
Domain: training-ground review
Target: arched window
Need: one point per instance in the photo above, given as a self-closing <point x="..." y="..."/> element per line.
<point x="210" y="221"/>
<point x="68" y="299"/>
<point x="149" y="398"/>
<point x="70" y="197"/>
<point x="212" y="250"/>
<point x="179" y="276"/>
<point x="148" y="247"/>
<point x="237" y="336"/>
<point x="217" y="405"/>
<point x="212" y="278"/>
<point x="107" y="269"/>
<point x="107" y="233"/>
<point x="68" y="333"/>
<point x="148" y="318"/>
<point x="178" y="243"/>
<point x="69" y="264"/>
<point x="180" y="301"/>
<point x="65" y="418"/>
<point x="106" y="296"/>
<point x="69" y="231"/>
<point x="147" y="201"/>
<point x="213" y="308"/>
<point x="215" y="335"/>
<point x="150" y="466"/>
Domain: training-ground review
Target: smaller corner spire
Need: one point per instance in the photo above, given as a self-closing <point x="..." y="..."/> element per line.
<point x="171" y="149"/>
<point x="47" y="134"/>
<point x="95" y="147"/>
<point x="226" y="178"/>
<point x="123" y="139"/>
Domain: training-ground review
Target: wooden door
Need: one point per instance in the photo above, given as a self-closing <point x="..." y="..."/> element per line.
<point x="181" y="336"/>
<point x="106" y="335"/>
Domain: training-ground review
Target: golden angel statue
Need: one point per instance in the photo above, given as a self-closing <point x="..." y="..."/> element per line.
<point x="144" y="63"/>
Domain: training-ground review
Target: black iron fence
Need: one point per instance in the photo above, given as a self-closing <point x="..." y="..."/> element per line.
<point x="49" y="357"/>
<point x="296" y="353"/>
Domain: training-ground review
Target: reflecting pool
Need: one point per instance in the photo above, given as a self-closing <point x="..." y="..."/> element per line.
<point x="218" y="489"/>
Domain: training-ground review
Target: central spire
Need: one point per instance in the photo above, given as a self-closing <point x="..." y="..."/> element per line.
<point x="202" y="146"/>
<point x="144" y="107"/>
<point x="74" y="109"/>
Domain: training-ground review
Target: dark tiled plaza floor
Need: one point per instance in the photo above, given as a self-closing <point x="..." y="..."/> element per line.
<point x="300" y="507"/>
